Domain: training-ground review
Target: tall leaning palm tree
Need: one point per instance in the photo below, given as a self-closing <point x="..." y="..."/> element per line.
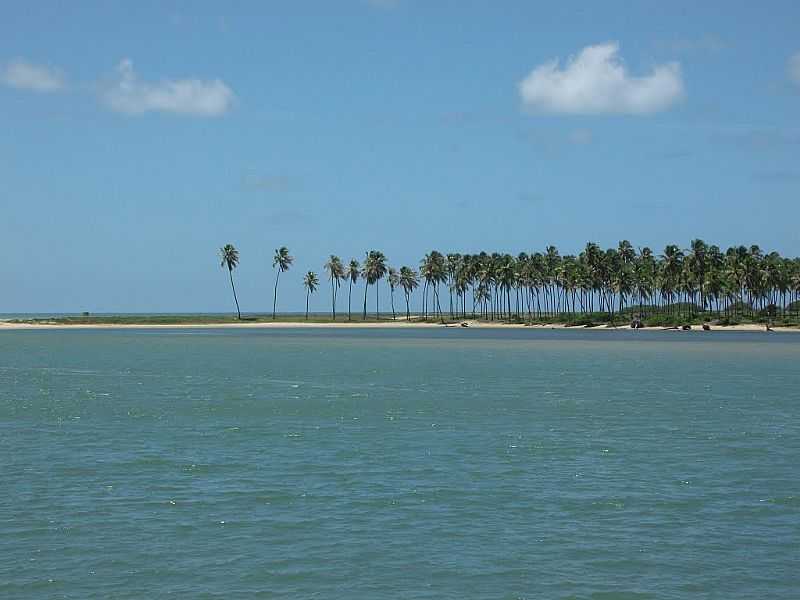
<point x="310" y="282"/>
<point x="230" y="259"/>
<point x="351" y="273"/>
<point x="336" y="273"/>
<point x="282" y="261"/>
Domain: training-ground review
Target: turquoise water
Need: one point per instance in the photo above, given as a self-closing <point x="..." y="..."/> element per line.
<point x="384" y="464"/>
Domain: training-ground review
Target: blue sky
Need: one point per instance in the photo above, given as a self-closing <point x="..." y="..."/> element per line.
<point x="137" y="138"/>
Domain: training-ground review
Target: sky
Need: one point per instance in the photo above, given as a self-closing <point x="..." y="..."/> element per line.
<point x="138" y="138"/>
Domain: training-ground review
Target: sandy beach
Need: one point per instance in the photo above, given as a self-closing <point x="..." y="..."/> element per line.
<point x="388" y="324"/>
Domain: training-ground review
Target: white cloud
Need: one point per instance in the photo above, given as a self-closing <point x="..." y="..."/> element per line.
<point x="794" y="68"/>
<point x="596" y="82"/>
<point x="27" y="76"/>
<point x="193" y="97"/>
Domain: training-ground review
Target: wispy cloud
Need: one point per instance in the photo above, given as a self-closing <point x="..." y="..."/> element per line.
<point x="794" y="68"/>
<point x="23" y="75"/>
<point x="193" y="97"/>
<point x="596" y="82"/>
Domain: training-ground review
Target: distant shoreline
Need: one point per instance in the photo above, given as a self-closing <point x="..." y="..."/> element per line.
<point x="388" y="324"/>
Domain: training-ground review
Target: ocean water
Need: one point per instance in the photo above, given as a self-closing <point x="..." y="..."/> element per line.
<point x="405" y="464"/>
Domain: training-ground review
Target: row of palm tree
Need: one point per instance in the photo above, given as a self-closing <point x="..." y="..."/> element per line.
<point x="679" y="283"/>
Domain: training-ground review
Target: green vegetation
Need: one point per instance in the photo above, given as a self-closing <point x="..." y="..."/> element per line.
<point x="619" y="286"/>
<point x="616" y="285"/>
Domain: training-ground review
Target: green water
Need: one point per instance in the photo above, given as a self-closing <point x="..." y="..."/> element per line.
<point x="406" y="464"/>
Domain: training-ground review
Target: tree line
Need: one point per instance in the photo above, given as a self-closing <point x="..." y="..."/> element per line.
<point x="679" y="283"/>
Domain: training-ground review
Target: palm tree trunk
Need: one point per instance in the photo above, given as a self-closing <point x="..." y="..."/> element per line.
<point x="366" y="289"/>
<point x="336" y="297"/>
<point x="408" y="310"/>
<point x="451" y="301"/>
<point x="307" y="294"/>
<point x="349" y="298"/>
<point x="235" y="299"/>
<point x="377" y="305"/>
<point x="275" y="295"/>
<point x="436" y="298"/>
<point x="473" y="300"/>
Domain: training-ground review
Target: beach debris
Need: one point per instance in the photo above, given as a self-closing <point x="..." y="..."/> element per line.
<point x="686" y="327"/>
<point x="636" y="323"/>
<point x="706" y="327"/>
<point x="465" y="324"/>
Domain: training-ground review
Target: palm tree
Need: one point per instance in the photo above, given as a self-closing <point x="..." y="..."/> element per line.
<point x="351" y="273"/>
<point x="394" y="281"/>
<point x="366" y="274"/>
<point x="433" y="270"/>
<point x="336" y="273"/>
<point x="646" y="275"/>
<point x="310" y="282"/>
<point x="452" y="266"/>
<point x="697" y="269"/>
<point x="672" y="266"/>
<point x="373" y="271"/>
<point x="230" y="259"/>
<point x="282" y="261"/>
<point x="743" y="281"/>
<point x="409" y="282"/>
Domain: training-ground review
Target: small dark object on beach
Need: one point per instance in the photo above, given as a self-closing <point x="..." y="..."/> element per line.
<point x="706" y="327"/>
<point x="636" y="324"/>
<point x="686" y="327"/>
<point x="465" y="324"/>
